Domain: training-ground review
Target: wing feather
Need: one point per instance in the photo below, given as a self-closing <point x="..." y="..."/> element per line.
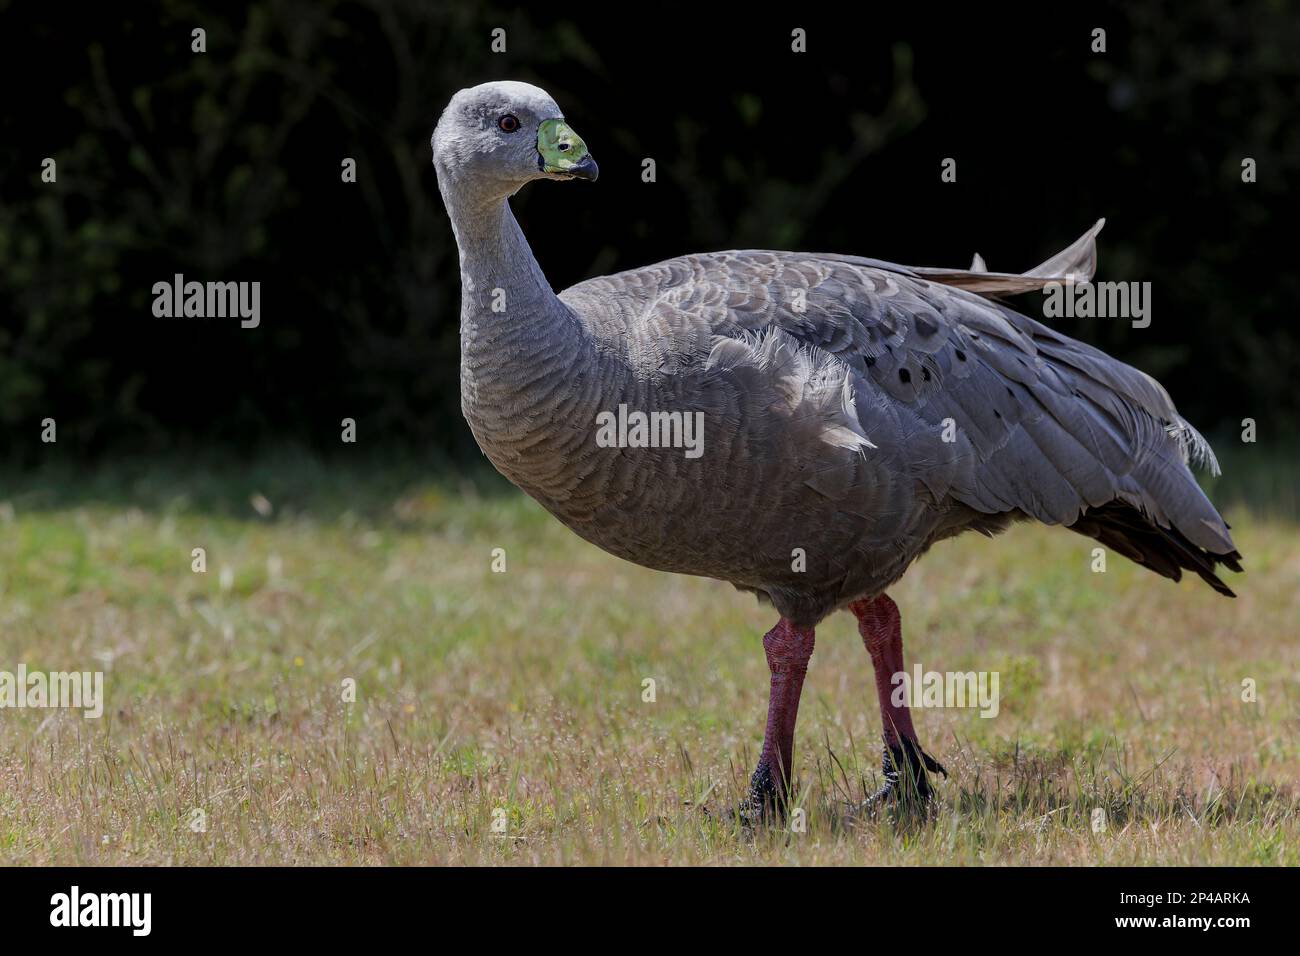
<point x="954" y="398"/>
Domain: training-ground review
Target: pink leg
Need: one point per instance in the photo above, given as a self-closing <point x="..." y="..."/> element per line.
<point x="788" y="648"/>
<point x="881" y="627"/>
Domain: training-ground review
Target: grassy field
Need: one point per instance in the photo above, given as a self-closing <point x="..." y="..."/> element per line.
<point x="515" y="698"/>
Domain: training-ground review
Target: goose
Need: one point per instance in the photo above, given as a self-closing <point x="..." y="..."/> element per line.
<point x="852" y="412"/>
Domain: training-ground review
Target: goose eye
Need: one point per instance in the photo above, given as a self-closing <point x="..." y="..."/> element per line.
<point x="509" y="123"/>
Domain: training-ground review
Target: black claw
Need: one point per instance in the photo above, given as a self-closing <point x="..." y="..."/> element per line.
<point x="763" y="804"/>
<point x="933" y="765"/>
<point x="907" y="784"/>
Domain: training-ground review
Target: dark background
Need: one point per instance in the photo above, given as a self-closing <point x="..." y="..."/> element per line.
<point x="226" y="166"/>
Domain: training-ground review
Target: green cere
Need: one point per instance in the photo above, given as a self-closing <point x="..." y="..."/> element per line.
<point x="560" y="147"/>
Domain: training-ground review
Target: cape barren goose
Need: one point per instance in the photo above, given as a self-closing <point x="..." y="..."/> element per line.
<point x="854" y="412"/>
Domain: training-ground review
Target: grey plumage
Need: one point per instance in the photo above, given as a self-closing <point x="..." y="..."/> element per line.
<point x="828" y="384"/>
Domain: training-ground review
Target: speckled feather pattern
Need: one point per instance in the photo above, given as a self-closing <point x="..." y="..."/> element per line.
<point x="823" y="429"/>
<point x="825" y="383"/>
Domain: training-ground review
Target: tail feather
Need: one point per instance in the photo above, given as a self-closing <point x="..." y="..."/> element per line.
<point x="1166" y="551"/>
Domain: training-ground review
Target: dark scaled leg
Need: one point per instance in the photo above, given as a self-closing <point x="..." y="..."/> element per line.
<point x="905" y="763"/>
<point x="788" y="648"/>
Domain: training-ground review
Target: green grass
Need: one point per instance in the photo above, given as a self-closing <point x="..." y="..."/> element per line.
<point x="518" y="696"/>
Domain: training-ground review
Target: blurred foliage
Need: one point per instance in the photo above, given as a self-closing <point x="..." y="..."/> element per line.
<point x="226" y="166"/>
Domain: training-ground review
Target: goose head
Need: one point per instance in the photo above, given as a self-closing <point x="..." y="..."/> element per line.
<point x="493" y="138"/>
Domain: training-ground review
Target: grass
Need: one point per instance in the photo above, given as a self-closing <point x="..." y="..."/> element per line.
<point x="516" y="698"/>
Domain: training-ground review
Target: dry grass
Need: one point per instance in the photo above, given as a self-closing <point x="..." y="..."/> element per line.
<point x="484" y="695"/>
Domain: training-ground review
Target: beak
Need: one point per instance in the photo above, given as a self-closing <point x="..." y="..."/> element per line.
<point x="587" y="169"/>
<point x="561" y="152"/>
